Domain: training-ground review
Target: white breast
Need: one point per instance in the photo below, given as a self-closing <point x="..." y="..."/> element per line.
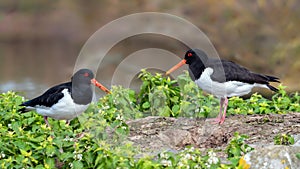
<point x="64" y="109"/>
<point x="225" y="89"/>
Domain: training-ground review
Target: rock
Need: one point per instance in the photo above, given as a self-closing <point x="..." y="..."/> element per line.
<point x="297" y="140"/>
<point x="165" y="133"/>
<point x="273" y="157"/>
<point x="175" y="138"/>
<point x="155" y="134"/>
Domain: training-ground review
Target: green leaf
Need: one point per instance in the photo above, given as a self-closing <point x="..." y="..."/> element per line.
<point x="77" y="165"/>
<point x="298" y="155"/>
<point x="175" y="108"/>
<point x="234" y="161"/>
<point x="146" y="105"/>
<point x="50" y="150"/>
<point x="49" y="163"/>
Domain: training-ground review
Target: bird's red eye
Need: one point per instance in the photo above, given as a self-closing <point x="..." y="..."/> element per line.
<point x="189" y="54"/>
<point x="86" y="74"/>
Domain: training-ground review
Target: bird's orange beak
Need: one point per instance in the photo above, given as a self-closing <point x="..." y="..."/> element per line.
<point x="181" y="63"/>
<point x="100" y="86"/>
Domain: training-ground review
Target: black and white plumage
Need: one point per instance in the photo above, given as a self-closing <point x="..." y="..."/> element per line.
<point x="222" y="78"/>
<point x="67" y="100"/>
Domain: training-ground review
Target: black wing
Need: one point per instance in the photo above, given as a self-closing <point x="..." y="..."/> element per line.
<point x="50" y="97"/>
<point x="235" y="72"/>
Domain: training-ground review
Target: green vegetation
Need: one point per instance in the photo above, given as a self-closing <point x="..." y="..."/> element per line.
<point x="237" y="148"/>
<point x="97" y="138"/>
<point x="298" y="155"/>
<point x="284" y="139"/>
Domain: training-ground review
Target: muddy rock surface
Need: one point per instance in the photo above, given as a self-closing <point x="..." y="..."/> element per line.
<point x="155" y="134"/>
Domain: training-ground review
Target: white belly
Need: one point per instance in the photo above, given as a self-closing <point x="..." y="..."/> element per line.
<point x="226" y="89"/>
<point x="64" y="109"/>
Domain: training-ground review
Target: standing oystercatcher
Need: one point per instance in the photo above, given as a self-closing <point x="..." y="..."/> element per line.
<point x="222" y="78"/>
<point x="67" y="100"/>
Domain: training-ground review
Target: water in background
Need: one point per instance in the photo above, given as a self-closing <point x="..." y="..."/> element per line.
<point x="30" y="68"/>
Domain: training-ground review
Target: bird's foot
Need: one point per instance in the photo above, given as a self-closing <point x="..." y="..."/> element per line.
<point x="222" y="120"/>
<point x="217" y="120"/>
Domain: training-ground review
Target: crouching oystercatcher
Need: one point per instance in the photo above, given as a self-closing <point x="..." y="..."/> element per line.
<point x="67" y="100"/>
<point x="222" y="78"/>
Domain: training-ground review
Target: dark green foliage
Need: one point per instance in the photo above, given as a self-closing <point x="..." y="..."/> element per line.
<point x="237" y="148"/>
<point x="164" y="97"/>
<point x="97" y="138"/>
<point x="284" y="139"/>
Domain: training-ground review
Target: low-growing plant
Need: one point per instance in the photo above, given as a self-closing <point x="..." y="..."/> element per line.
<point x="97" y="138"/>
<point x="298" y="155"/>
<point x="162" y="96"/>
<point x="190" y="157"/>
<point x="158" y="94"/>
<point x="281" y="103"/>
<point x="237" y="148"/>
<point x="284" y="139"/>
<point x="26" y="142"/>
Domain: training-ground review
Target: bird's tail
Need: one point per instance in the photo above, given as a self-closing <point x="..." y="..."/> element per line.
<point x="24" y="109"/>
<point x="272" y="79"/>
<point x="272" y="88"/>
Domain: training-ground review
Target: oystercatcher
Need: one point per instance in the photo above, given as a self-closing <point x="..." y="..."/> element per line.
<point x="67" y="100"/>
<point x="222" y="78"/>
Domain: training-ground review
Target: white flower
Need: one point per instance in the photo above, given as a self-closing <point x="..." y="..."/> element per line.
<point x="68" y="139"/>
<point x="163" y="155"/>
<point x="248" y="149"/>
<point x="78" y="157"/>
<point x="212" y="158"/>
<point x="71" y="165"/>
<point x="9" y="125"/>
<point x="180" y="164"/>
<point x="201" y="110"/>
<point x="211" y="154"/>
<point x="2" y="155"/>
<point x="187" y="156"/>
<point x="119" y="117"/>
<point x="106" y="107"/>
<point x="197" y="166"/>
<point x="192" y="149"/>
<point x="193" y="158"/>
<point x="166" y="163"/>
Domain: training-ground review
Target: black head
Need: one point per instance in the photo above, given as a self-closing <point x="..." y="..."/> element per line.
<point x="83" y="76"/>
<point x="194" y="56"/>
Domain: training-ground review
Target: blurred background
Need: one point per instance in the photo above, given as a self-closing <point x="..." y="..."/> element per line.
<point x="41" y="40"/>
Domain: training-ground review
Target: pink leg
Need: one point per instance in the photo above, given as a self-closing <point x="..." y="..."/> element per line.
<point x="68" y="122"/>
<point x="225" y="109"/>
<point x="219" y="117"/>
<point x="46" y="120"/>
